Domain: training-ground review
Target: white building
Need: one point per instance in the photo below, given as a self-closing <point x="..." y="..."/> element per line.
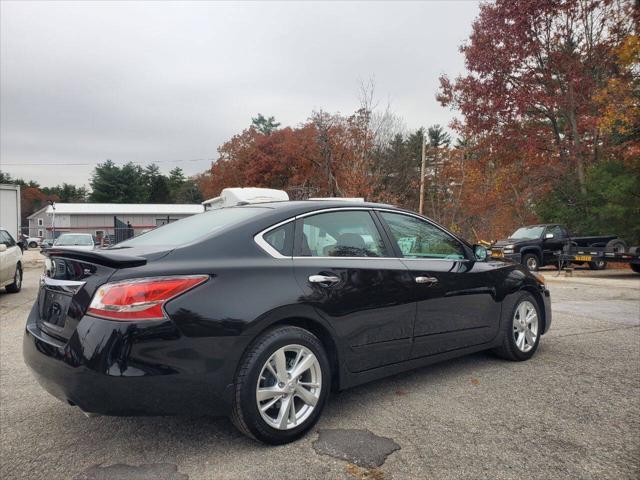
<point x="105" y="219"/>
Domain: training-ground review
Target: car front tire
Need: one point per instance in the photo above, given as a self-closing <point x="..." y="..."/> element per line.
<point x="16" y="286"/>
<point x="33" y="245"/>
<point x="531" y="261"/>
<point x="521" y="330"/>
<point x="281" y="385"/>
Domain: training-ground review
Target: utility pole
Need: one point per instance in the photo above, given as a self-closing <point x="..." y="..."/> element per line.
<point x="423" y="167"/>
<point x="53" y="219"/>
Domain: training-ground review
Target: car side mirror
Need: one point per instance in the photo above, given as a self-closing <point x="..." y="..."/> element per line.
<point x="548" y="236"/>
<point x="480" y="252"/>
<point x="3" y="247"/>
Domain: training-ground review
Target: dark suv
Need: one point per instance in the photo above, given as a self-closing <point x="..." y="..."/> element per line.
<point x="535" y="246"/>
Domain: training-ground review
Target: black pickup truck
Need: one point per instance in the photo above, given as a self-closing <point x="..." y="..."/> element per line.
<point x="538" y="245"/>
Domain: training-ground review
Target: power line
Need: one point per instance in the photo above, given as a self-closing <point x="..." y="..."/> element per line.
<point x="117" y="163"/>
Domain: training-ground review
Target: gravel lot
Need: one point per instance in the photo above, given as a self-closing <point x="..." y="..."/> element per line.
<point x="573" y="411"/>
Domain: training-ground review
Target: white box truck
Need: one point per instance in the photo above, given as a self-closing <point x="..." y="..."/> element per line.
<point x="10" y="209"/>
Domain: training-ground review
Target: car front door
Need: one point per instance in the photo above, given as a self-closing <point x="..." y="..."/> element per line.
<point x="8" y="258"/>
<point x="455" y="295"/>
<point x="554" y="244"/>
<point x="347" y="272"/>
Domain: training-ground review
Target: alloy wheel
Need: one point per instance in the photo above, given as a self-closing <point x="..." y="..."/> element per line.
<point x="289" y="387"/>
<point x="532" y="263"/>
<point x="18" y="278"/>
<point x="525" y="326"/>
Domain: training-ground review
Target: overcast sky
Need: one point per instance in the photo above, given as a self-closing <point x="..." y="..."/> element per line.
<point x="160" y="81"/>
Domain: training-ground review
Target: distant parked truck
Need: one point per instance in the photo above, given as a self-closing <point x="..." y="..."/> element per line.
<point x="538" y="245"/>
<point x="10" y="209"/>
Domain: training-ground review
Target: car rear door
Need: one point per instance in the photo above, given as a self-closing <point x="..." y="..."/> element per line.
<point x="455" y="296"/>
<point x="345" y="267"/>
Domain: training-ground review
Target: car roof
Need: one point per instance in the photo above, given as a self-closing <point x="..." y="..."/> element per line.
<point x="290" y="208"/>
<point x="295" y="207"/>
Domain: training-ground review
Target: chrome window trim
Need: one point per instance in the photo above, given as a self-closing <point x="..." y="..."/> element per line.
<point x="262" y="243"/>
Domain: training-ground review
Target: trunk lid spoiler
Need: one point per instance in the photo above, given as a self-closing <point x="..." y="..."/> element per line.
<point x="100" y="257"/>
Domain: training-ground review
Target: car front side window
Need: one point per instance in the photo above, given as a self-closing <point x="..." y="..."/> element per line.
<point x="419" y="239"/>
<point x="341" y="234"/>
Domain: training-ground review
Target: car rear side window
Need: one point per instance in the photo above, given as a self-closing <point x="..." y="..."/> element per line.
<point x="419" y="239"/>
<point x="341" y="234"/>
<point x="281" y="239"/>
<point x="193" y="228"/>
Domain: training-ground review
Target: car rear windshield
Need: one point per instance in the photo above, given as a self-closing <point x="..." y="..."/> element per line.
<point x="527" y="233"/>
<point x="69" y="239"/>
<point x="192" y="228"/>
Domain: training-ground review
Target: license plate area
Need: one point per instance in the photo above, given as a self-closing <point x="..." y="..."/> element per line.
<point x="54" y="300"/>
<point x="53" y="307"/>
<point x="583" y="258"/>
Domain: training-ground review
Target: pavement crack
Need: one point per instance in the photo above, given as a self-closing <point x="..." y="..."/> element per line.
<point x="596" y="331"/>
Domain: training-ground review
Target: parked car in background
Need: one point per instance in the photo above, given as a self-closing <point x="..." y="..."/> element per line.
<point x="75" y="241"/>
<point x="31" y="242"/>
<point x="258" y="311"/>
<point x="10" y="262"/>
<point x="535" y="246"/>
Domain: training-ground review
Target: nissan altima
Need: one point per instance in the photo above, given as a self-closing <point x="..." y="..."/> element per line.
<point x="259" y="311"/>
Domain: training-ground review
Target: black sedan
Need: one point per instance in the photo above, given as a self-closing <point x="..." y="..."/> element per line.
<point x="258" y="311"/>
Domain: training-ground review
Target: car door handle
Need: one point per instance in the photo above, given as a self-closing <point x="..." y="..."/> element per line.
<point x="428" y="280"/>
<point x="324" y="279"/>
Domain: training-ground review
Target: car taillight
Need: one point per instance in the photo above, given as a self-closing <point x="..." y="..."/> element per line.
<point x="140" y="299"/>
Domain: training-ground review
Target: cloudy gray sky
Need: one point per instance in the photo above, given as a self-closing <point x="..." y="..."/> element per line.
<point x="170" y="82"/>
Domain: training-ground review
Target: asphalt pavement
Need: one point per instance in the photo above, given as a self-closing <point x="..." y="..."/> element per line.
<point x="573" y="411"/>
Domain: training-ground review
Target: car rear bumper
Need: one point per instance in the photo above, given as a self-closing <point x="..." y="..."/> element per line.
<point x="118" y="368"/>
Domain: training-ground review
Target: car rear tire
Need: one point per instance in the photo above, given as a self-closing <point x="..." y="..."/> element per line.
<point x="33" y="245"/>
<point x="531" y="261"/>
<point x="16" y="286"/>
<point x="598" y="265"/>
<point x="281" y="385"/>
<point x="521" y="330"/>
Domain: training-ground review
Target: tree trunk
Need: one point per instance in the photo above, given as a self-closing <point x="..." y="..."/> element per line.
<point x="577" y="147"/>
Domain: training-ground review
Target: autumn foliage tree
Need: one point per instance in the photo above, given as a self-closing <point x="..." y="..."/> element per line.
<point x="538" y="75"/>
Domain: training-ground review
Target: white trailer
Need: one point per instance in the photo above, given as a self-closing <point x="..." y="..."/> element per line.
<point x="10" y="209"/>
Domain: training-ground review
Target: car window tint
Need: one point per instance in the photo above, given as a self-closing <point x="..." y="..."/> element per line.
<point x="557" y="231"/>
<point x="341" y="234"/>
<point x="419" y="239"/>
<point x="4" y="238"/>
<point x="193" y="228"/>
<point x="12" y="242"/>
<point x="281" y="239"/>
<point x="73" y="239"/>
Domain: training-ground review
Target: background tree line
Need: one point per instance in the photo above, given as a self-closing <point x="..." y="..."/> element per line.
<point x="548" y="130"/>
<point x="111" y="183"/>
